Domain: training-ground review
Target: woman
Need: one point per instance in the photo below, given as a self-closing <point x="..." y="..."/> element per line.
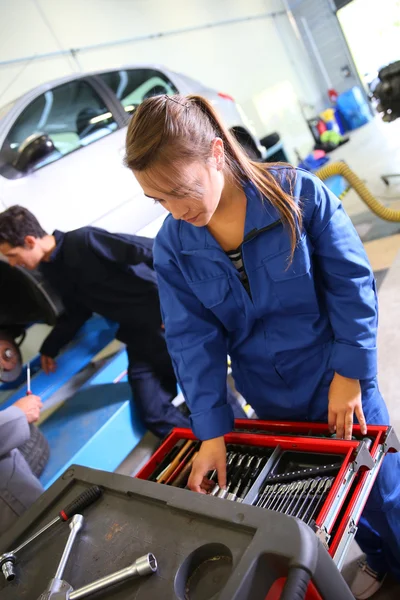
<point x="262" y="263"/>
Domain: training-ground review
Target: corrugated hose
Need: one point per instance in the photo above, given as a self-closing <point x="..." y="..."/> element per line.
<point x="340" y="168"/>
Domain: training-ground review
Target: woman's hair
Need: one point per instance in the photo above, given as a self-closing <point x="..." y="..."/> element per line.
<point x="166" y="132"/>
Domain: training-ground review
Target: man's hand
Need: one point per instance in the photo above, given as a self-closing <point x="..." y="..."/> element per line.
<point x="49" y="365"/>
<point x="30" y="405"/>
<point x="345" y="400"/>
<point x="212" y="455"/>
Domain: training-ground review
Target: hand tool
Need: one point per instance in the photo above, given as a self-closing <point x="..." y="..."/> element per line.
<point x="296" y="493"/>
<point x="270" y="498"/>
<point x="238" y="478"/>
<point x="57" y="585"/>
<point x="301" y="491"/>
<point x="229" y="462"/>
<point x="28" y="380"/>
<point x="222" y="493"/>
<point x="251" y="477"/>
<point x="285" y="497"/>
<point x="276" y="497"/>
<point x="232" y="496"/>
<point x="166" y="461"/>
<point x="175" y="462"/>
<point x="182" y="478"/>
<point x="311" y="490"/>
<point x="145" y="565"/>
<point x="236" y="466"/>
<point x="288" y="497"/>
<point x="323" y="488"/>
<point x="8" y="560"/>
<point x="267" y="491"/>
<point x="180" y="465"/>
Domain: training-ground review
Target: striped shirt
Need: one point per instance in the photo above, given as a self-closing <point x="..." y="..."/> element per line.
<point x="237" y="261"/>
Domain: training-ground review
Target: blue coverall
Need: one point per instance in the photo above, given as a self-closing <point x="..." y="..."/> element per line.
<point x="302" y="322"/>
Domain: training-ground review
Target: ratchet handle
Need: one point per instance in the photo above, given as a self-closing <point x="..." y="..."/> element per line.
<point x="81" y="502"/>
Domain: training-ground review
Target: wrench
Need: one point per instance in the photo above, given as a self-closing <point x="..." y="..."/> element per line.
<point x="324" y="490"/>
<point x="8" y="560"/>
<point x="57" y="585"/>
<point x="271" y="497"/>
<point x="302" y="489"/>
<point x="297" y="489"/>
<point x="288" y="497"/>
<point x="266" y="494"/>
<point x="278" y="496"/>
<point x="145" y="565"/>
<point x="313" y="486"/>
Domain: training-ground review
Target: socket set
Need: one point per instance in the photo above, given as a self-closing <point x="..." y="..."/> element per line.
<point x="296" y="469"/>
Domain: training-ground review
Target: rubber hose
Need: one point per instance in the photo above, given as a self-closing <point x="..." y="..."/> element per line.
<point x="296" y="584"/>
<point x="340" y="168"/>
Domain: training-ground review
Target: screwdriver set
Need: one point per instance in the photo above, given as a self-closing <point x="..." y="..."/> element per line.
<point x="296" y="469"/>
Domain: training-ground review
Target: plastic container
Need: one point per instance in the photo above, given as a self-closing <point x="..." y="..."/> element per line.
<point x="353" y="108"/>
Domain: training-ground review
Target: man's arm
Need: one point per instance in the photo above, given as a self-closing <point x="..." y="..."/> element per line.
<point x="119" y="248"/>
<point x="66" y="328"/>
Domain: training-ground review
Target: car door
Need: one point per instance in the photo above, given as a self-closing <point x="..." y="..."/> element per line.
<point x="83" y="181"/>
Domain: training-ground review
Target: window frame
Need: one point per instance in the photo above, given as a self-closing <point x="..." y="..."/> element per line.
<point x="126" y="116"/>
<point x="8" y="171"/>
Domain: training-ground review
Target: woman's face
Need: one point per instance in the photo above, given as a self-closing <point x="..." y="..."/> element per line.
<point x="195" y="197"/>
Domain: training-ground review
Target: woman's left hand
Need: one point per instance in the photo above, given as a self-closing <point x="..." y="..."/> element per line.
<point x="345" y="400"/>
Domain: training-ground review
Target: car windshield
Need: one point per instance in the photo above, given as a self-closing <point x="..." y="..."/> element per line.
<point x="5" y="109"/>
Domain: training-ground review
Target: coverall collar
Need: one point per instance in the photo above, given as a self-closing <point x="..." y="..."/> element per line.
<point x="259" y="214"/>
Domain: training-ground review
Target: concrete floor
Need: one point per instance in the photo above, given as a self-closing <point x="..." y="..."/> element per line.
<point x="375" y="150"/>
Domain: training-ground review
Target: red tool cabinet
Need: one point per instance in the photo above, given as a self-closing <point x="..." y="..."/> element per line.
<point x="338" y="516"/>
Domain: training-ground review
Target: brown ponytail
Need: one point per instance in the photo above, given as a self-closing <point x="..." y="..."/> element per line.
<point x="169" y="130"/>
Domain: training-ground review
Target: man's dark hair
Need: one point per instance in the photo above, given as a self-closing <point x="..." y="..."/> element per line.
<point x="16" y="223"/>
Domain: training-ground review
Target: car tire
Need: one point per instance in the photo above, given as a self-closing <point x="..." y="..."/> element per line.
<point x="36" y="451"/>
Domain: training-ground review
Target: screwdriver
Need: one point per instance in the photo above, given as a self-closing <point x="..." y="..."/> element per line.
<point x="28" y="380"/>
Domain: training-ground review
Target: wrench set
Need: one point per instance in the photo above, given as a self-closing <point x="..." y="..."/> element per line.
<point x="296" y="469"/>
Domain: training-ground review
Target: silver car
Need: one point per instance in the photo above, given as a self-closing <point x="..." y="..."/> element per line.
<point x="62" y="145"/>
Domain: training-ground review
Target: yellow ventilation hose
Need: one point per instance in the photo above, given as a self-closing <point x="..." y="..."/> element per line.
<point x="340" y="168"/>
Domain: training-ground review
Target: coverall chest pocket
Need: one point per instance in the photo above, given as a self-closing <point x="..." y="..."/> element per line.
<point x="217" y="296"/>
<point x="293" y="283"/>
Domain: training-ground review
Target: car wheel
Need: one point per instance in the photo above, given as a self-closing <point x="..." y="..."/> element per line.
<point x="10" y="358"/>
<point x="36" y="451"/>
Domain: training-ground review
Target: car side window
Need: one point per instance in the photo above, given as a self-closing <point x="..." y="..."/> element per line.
<point x="132" y="86"/>
<point x="73" y="115"/>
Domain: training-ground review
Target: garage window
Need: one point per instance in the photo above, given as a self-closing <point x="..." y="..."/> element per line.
<point x="132" y="86"/>
<point x="72" y="115"/>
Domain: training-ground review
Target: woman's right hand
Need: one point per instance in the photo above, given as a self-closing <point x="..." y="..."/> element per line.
<point x="212" y="455"/>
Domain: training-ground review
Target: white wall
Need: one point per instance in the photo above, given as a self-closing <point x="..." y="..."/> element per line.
<point x="259" y="62"/>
